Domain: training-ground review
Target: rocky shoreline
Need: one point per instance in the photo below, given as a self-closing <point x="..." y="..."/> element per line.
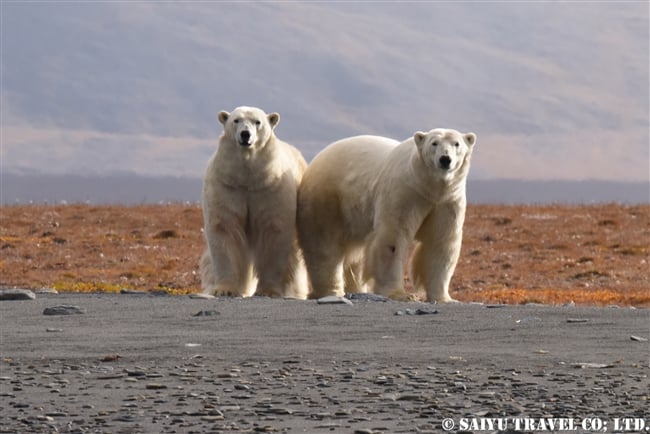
<point x="140" y="363"/>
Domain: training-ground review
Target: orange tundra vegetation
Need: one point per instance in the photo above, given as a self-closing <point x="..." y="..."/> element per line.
<point x="591" y="255"/>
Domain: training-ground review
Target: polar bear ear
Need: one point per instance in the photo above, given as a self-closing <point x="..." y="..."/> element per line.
<point x="223" y="117"/>
<point x="470" y="139"/>
<point x="419" y="138"/>
<point x="274" y="119"/>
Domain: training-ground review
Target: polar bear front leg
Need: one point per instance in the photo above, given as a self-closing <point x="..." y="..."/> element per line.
<point x="272" y="221"/>
<point x="280" y="267"/>
<point x="325" y="269"/>
<point x="436" y="255"/>
<point x="384" y="268"/>
<point x="226" y="266"/>
<point x="272" y="251"/>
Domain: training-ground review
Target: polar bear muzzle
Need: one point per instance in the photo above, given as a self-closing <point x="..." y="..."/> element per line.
<point x="245" y="138"/>
<point x="444" y="162"/>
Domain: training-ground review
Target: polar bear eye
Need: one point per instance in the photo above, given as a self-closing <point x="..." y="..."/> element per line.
<point x="258" y="123"/>
<point x="456" y="144"/>
<point x="434" y="144"/>
<point x="236" y="121"/>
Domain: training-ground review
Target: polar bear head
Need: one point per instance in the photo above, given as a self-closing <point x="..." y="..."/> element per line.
<point x="248" y="127"/>
<point x="444" y="151"/>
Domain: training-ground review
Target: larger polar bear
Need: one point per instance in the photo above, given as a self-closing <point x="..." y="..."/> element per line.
<point x="249" y="210"/>
<point x="366" y="201"/>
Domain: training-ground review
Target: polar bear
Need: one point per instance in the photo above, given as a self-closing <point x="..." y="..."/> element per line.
<point x="366" y="202"/>
<point x="249" y="210"/>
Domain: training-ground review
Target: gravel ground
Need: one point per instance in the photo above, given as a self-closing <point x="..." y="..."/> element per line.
<point x="140" y="363"/>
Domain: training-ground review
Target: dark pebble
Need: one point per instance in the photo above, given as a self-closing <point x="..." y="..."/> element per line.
<point x="419" y="311"/>
<point x="132" y="291"/>
<point x="206" y="313"/>
<point x="63" y="310"/>
<point x="361" y="296"/>
<point x="16" y="294"/>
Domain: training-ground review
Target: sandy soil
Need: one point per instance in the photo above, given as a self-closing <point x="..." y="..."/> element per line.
<point x="593" y="255"/>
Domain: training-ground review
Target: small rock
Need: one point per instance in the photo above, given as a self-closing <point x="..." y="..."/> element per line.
<point x="278" y="410"/>
<point x="126" y="418"/>
<point x="111" y="376"/>
<point x="362" y="296"/>
<point x="132" y="291"/>
<point x="53" y="330"/>
<point x="16" y="294"/>
<point x="212" y="418"/>
<point x="111" y="358"/>
<point x="589" y="365"/>
<point x="333" y="299"/>
<point x="638" y="339"/>
<point x="206" y="313"/>
<point x="332" y="426"/>
<point x="155" y="386"/>
<point x="528" y="319"/>
<point x="425" y="311"/>
<point x="63" y="310"/>
<point x="494" y="306"/>
<point x="576" y="320"/>
<point x="418" y="311"/>
<point x="200" y="295"/>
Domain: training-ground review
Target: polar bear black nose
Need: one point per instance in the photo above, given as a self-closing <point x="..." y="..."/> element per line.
<point x="244" y="137"/>
<point x="445" y="162"/>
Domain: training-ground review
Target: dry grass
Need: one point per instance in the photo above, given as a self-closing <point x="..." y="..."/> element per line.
<point x="595" y="255"/>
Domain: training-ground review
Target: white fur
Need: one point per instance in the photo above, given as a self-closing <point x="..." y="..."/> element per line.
<point x="249" y="210"/>
<point x="366" y="200"/>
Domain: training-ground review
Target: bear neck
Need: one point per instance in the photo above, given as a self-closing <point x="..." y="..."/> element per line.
<point x="250" y="168"/>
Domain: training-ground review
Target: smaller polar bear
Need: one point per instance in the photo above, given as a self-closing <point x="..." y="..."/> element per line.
<point x="365" y="202"/>
<point x="249" y="210"/>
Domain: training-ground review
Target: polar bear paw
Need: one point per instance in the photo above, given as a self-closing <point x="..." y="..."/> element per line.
<point x="401" y="295"/>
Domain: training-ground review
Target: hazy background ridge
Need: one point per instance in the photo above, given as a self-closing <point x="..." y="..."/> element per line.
<point x="133" y="189"/>
<point x="556" y="91"/>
